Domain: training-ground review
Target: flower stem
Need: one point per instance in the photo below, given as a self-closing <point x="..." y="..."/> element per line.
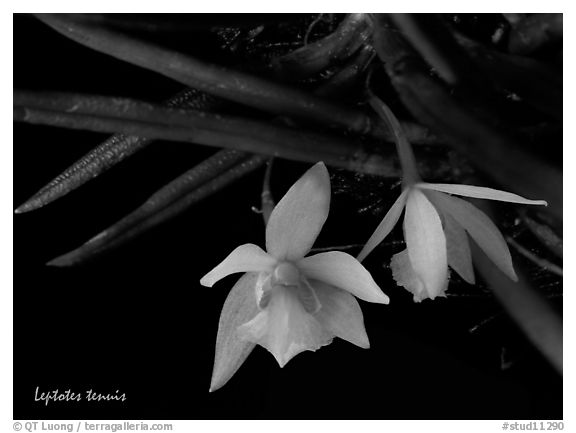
<point x="407" y="160"/>
<point x="267" y="199"/>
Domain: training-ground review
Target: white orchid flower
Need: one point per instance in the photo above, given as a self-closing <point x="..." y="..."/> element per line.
<point x="437" y="225"/>
<point x="288" y="303"/>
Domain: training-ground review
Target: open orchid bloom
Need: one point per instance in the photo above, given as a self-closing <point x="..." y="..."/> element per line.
<point x="437" y="225"/>
<point x="286" y="302"/>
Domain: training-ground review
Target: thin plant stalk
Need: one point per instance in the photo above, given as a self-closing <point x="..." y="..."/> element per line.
<point x="266" y="196"/>
<point x="410" y="174"/>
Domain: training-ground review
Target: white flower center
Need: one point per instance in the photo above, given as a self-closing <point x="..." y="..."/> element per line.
<point x="287" y="277"/>
<point x="286" y="274"/>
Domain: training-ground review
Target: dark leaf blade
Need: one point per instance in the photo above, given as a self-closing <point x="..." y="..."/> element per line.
<point x="231" y="84"/>
<point x="184" y="23"/>
<point x="105" y="114"/>
<point x="544" y="233"/>
<point x="100" y="159"/>
<point x="110" y="153"/>
<point x="535" y="317"/>
<point x="533" y="314"/>
<point x="205" y="179"/>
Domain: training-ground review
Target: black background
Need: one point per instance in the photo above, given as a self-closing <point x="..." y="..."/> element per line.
<point x="138" y="321"/>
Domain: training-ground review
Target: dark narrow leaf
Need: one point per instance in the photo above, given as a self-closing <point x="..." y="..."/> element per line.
<point x="229" y="84"/>
<point x="186" y="190"/>
<point x="544" y="234"/>
<point x="184" y="23"/>
<point x="97" y="161"/>
<point x="526" y="306"/>
<point x="105" y="114"/>
<point x="224" y="82"/>
<point x="429" y="36"/>
<point x="106" y="155"/>
<point x="534" y="258"/>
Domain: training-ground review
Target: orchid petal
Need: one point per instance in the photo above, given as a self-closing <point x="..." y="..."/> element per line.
<point x="426" y="243"/>
<point x="386" y="226"/>
<point x="479" y="192"/>
<point x="458" y="248"/>
<point x="405" y="276"/>
<point x="245" y="258"/>
<point x="340" y="314"/>
<point x="298" y="218"/>
<point x="481" y="228"/>
<point x="345" y="272"/>
<point x="284" y="328"/>
<point x="239" y="308"/>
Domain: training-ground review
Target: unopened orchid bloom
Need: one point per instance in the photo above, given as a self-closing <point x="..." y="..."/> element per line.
<point x="286" y="302"/>
<point x="436" y="225"/>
